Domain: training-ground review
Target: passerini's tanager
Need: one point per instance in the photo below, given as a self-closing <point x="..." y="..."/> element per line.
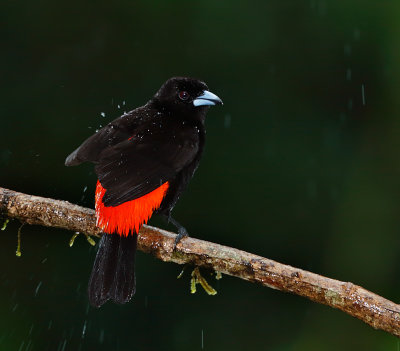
<point x="143" y="161"/>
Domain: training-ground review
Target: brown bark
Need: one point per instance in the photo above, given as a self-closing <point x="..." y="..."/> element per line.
<point x="352" y="299"/>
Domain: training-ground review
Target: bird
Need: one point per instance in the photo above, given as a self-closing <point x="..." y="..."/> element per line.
<point x="143" y="160"/>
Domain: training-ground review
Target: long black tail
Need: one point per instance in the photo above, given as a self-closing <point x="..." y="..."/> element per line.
<point x="113" y="273"/>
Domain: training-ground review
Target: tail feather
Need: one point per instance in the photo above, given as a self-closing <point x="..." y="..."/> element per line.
<point x="113" y="273"/>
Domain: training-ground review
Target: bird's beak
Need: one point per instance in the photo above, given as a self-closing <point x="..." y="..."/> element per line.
<point x="207" y="99"/>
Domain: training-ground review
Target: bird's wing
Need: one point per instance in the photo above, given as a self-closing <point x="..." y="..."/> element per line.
<point x="137" y="166"/>
<point x="115" y="132"/>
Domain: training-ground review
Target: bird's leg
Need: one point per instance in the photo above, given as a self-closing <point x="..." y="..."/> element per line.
<point x="182" y="232"/>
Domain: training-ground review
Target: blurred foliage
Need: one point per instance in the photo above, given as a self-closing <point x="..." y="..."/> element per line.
<point x="301" y="165"/>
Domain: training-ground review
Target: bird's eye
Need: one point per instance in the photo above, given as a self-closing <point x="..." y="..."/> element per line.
<point x="183" y="95"/>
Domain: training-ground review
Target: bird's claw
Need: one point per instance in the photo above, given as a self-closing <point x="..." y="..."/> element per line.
<point x="182" y="233"/>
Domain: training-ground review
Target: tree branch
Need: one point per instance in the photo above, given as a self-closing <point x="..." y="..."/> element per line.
<point x="352" y="299"/>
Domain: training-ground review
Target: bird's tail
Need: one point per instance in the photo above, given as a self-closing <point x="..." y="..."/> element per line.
<point x="113" y="273"/>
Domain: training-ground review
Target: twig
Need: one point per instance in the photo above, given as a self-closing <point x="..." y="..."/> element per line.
<point x="352" y="299"/>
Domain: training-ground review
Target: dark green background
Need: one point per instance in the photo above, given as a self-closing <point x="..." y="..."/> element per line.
<point x="298" y="167"/>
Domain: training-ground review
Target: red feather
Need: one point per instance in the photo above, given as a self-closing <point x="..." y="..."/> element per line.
<point x="128" y="217"/>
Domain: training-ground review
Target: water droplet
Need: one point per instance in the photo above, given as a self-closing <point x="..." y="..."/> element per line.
<point x="84" y="330"/>
<point x="38" y="287"/>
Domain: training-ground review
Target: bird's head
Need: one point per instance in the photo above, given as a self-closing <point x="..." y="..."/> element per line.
<point x="184" y="95"/>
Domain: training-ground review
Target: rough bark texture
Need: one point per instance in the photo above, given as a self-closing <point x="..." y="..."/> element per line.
<point x="352" y="299"/>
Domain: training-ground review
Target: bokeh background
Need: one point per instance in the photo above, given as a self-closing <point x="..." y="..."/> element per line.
<point x="301" y="165"/>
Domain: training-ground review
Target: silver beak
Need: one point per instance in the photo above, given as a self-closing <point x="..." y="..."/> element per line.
<point x="207" y="99"/>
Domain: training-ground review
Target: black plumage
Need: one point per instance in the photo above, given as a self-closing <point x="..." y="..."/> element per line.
<point x="113" y="272"/>
<point x="135" y="154"/>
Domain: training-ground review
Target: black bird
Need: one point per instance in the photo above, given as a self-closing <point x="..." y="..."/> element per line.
<point x="143" y="160"/>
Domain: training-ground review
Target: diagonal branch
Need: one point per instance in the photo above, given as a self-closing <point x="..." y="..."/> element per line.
<point x="352" y="299"/>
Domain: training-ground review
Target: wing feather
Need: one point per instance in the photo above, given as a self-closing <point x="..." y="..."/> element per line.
<point x="137" y="153"/>
<point x="134" y="168"/>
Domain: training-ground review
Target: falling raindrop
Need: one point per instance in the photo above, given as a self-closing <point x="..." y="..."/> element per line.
<point x="84" y="330"/>
<point x="21" y="346"/>
<point x="38" y="287"/>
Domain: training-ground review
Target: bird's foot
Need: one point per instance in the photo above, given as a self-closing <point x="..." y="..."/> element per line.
<point x="182" y="233"/>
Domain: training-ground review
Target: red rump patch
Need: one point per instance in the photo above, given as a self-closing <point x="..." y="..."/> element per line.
<point x="128" y="217"/>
